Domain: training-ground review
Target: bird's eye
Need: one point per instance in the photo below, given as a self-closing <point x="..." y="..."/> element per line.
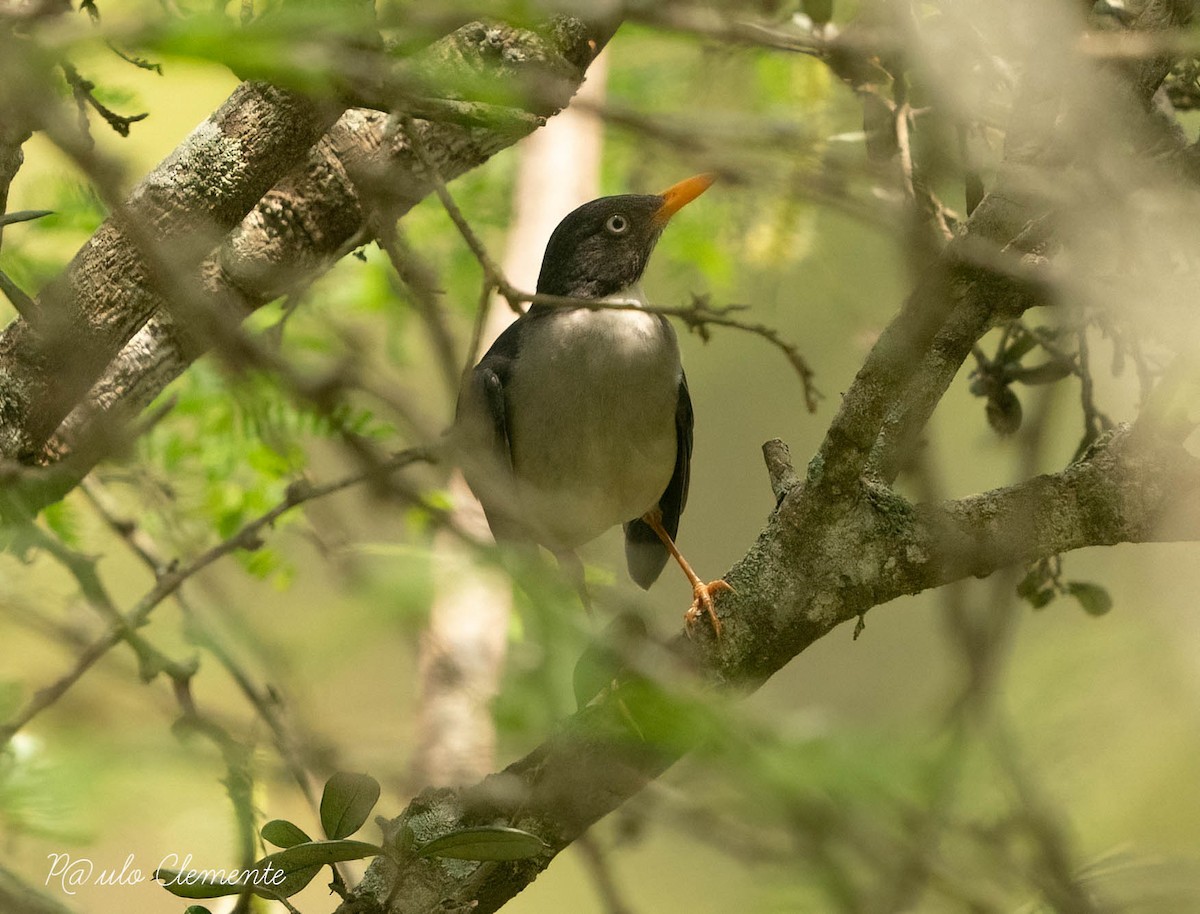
<point x="617" y="224"/>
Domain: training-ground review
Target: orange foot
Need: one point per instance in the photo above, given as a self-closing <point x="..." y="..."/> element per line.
<point x="704" y="596"/>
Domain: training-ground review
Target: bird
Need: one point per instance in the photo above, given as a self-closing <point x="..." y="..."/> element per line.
<point x="578" y="418"/>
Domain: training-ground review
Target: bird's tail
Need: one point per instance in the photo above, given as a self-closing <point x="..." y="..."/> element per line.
<point x="644" y="553"/>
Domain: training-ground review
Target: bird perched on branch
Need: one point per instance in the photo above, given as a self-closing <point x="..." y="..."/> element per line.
<point x="578" y="418"/>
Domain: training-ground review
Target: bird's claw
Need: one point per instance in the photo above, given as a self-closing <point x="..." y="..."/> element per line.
<point x="703" y="598"/>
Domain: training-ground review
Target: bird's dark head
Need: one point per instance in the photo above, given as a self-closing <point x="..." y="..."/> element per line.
<point x="603" y="247"/>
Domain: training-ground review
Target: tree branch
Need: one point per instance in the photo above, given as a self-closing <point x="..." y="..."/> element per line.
<point x="104" y="296"/>
<point x="818" y="563"/>
<point x="171" y="579"/>
<point x="301" y="226"/>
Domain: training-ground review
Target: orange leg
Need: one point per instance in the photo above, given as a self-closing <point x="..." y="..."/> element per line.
<point x="703" y="595"/>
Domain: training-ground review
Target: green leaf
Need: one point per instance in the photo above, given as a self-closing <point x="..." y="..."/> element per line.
<point x="319" y="853"/>
<point x="278" y="882"/>
<point x="1041" y="598"/>
<point x="196" y="909"/>
<point x="1018" y="349"/>
<point x="1036" y="588"/>
<point x="192" y="884"/>
<point x="485" y="842"/>
<point x="595" y="669"/>
<point x="63" y="520"/>
<point x="277" y="875"/>
<point x="347" y="801"/>
<point x="1094" y="599"/>
<point x="1042" y="374"/>
<point x="1004" y="411"/>
<point x="819" y="11"/>
<point x="283" y="874"/>
<point x="282" y="833"/>
<point x="605" y="658"/>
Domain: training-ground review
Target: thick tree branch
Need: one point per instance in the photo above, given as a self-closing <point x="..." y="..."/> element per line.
<point x="980" y="280"/>
<point x="88" y="313"/>
<point x="839" y="543"/>
<point x="817" y="564"/>
<point x="302" y="226"/>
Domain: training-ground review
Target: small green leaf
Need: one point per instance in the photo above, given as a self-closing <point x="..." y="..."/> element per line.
<point x="1031" y="583"/>
<point x="605" y="658"/>
<point x="819" y="11"/>
<point x="1094" y="599"/>
<point x="485" y="842"/>
<point x="196" y="909"/>
<point x="1017" y="349"/>
<point x="319" y="853"/>
<point x="191" y="884"/>
<point x="1040" y="599"/>
<point x="62" y="519"/>
<point x="347" y="801"/>
<point x="286" y="872"/>
<point x="275" y="882"/>
<point x="1004" y="411"/>
<point x="594" y="670"/>
<point x="282" y="833"/>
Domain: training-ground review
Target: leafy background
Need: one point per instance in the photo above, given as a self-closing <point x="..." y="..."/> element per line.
<point x="1101" y="713"/>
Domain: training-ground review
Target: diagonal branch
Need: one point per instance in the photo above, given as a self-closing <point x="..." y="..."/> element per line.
<point x="170" y="580"/>
<point x="103" y="297"/>
<point x="302" y="226"/>
<point x="815" y="566"/>
<point x="966" y="292"/>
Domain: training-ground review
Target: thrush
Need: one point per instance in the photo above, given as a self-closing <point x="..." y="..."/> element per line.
<point x="578" y="417"/>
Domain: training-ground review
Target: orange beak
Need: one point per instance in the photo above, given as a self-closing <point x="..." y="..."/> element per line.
<point x="677" y="196"/>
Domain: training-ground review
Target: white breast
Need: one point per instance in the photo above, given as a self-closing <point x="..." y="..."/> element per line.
<point x="601" y="449"/>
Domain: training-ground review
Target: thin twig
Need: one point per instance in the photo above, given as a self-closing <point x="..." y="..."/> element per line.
<point x="919" y="195"/>
<point x="151" y="661"/>
<point x="85" y="95"/>
<point x="419" y="281"/>
<point x="170" y="581"/>
<point x="492" y="272"/>
<point x="198" y="631"/>
<point x="26" y="307"/>
<point x="477" y="327"/>
<point x="1094" y="421"/>
<point x="602" y="875"/>
<point x="700" y="314"/>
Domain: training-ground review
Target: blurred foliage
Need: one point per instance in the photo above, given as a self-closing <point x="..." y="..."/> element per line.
<point x="922" y="795"/>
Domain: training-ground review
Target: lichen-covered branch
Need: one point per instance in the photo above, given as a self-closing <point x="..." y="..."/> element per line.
<point x="208" y="184"/>
<point x="303" y="224"/>
<point x="818" y="563"/>
<point x="980" y="279"/>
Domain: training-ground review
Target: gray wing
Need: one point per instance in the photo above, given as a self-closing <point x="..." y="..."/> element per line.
<point x="645" y="553"/>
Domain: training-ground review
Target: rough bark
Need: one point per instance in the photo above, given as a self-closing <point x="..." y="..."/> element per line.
<point x="820" y="562"/>
<point x="302" y="225"/>
<point x="89" y="312"/>
<point x="841" y="541"/>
